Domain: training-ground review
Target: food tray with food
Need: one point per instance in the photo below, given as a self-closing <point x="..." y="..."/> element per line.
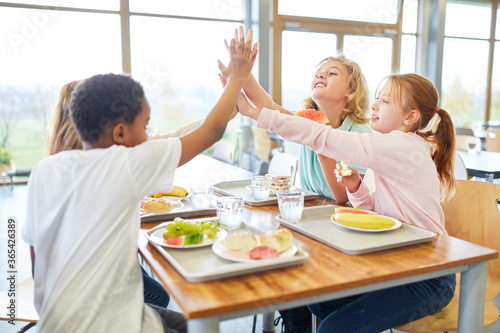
<point x="199" y="264"/>
<point x="316" y="222"/>
<point x="242" y="189"/>
<point x="165" y="206"/>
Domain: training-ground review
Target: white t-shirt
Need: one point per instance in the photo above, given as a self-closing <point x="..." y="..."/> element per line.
<point x="83" y="223"/>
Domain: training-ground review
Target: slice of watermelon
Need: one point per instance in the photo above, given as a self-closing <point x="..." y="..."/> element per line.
<point x="339" y="210"/>
<point x="185" y="240"/>
<point x="317" y="116"/>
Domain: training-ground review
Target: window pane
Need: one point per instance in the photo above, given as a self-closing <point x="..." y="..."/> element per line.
<point x="497" y="34"/>
<point x="410" y="16"/>
<point x="179" y="71"/>
<point x="220" y="9"/>
<point x="495" y="87"/>
<point x="352" y="10"/>
<point x="478" y="18"/>
<point x="39" y="55"/>
<point x="89" y="4"/>
<point x="463" y="87"/>
<point x="298" y="63"/>
<point x="373" y="54"/>
<point x="408" y="54"/>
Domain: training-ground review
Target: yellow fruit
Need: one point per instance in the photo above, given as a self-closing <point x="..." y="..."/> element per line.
<point x="177" y="191"/>
<point x="364" y="221"/>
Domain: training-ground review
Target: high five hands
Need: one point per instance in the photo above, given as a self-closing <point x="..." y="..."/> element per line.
<point x="239" y="46"/>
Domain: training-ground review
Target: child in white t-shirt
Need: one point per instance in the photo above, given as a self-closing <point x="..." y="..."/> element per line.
<point x="82" y="221"/>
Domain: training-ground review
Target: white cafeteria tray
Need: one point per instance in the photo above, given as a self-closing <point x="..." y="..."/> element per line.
<point x="238" y="188"/>
<point x="316" y="223"/>
<point x="201" y="264"/>
<point x="186" y="210"/>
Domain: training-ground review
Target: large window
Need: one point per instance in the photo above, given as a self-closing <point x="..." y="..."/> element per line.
<point x="42" y="50"/>
<point x="172" y="48"/>
<point x="465" y="91"/>
<point x="172" y="51"/>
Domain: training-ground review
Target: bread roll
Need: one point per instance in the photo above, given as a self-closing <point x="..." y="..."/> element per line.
<point x="280" y="240"/>
<point x="239" y="242"/>
<point x="157" y="206"/>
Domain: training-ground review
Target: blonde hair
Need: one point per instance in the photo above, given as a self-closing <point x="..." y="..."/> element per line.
<point x="358" y="105"/>
<point x="415" y="92"/>
<point x="62" y="133"/>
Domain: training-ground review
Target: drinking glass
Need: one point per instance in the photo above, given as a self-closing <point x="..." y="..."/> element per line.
<point x="261" y="187"/>
<point x="291" y="205"/>
<point x="230" y="211"/>
<point x="201" y="197"/>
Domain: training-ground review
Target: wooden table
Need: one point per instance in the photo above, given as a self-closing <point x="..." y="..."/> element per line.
<point x="483" y="164"/>
<point x="328" y="274"/>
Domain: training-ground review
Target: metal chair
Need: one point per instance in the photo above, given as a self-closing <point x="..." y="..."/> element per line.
<point x="472" y="215"/>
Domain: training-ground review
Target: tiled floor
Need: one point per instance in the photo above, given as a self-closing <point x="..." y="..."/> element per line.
<point x="12" y="205"/>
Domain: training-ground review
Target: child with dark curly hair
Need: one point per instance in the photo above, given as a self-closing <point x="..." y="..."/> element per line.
<point x="82" y="221"/>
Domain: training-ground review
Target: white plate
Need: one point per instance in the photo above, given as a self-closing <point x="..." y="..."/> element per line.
<point x="176" y="204"/>
<point x="397" y="225"/>
<point x="249" y="187"/>
<point x="220" y="250"/>
<point x="157" y="237"/>
<point x="168" y="197"/>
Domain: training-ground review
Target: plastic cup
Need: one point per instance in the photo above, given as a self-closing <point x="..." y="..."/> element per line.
<point x="201" y="197"/>
<point x="230" y="211"/>
<point x="291" y="205"/>
<point x="261" y="187"/>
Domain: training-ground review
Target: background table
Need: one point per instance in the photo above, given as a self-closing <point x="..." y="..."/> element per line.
<point x="483" y="164"/>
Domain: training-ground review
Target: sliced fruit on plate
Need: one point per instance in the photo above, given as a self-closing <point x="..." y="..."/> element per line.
<point x="364" y="221"/>
<point x="185" y="240"/>
<point x="177" y="191"/>
<point x="340" y="210"/>
<point x="263" y="252"/>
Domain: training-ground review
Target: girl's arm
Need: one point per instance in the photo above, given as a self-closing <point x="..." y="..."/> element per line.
<point x="259" y="97"/>
<point x="338" y="190"/>
<point x="242" y="56"/>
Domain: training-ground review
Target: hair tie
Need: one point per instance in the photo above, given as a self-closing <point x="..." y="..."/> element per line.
<point x="437" y="109"/>
<point x="74" y="82"/>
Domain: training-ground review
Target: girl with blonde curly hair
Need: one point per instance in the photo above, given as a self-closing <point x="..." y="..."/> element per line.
<point x="340" y="91"/>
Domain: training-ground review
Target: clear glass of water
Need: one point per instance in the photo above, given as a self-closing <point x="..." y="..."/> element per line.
<point x="291" y="205"/>
<point x="230" y="211"/>
<point x="261" y="187"/>
<point x="201" y="197"/>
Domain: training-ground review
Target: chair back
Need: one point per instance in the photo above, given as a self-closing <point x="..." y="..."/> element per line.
<point x="467" y="142"/>
<point x="464" y="131"/>
<point x="460" y="169"/>
<point x="284" y="164"/>
<point x="493" y="139"/>
<point x="225" y="152"/>
<point x="473" y="215"/>
<point x="262" y="143"/>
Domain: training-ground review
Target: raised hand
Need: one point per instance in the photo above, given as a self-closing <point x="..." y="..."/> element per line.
<point x="242" y="56"/>
<point x="351" y="182"/>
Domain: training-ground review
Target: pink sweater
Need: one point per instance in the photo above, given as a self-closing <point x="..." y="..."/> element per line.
<point x="406" y="179"/>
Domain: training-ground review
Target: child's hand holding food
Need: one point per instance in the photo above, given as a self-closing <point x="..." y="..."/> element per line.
<point x="347" y="177"/>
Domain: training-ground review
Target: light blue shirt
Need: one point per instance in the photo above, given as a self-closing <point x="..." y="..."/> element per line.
<point x="310" y="173"/>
